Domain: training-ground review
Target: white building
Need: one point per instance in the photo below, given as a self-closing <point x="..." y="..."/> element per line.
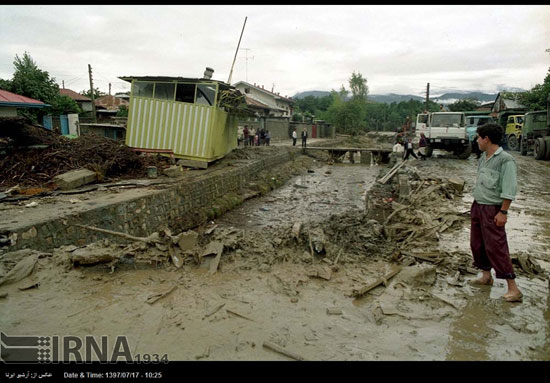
<point x="280" y="106"/>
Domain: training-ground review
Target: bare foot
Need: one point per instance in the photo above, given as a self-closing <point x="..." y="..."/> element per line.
<point x="482" y="282"/>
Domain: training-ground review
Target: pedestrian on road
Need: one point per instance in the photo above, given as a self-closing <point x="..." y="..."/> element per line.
<point x="304" y="137"/>
<point x="294" y="137"/>
<point x="409" y="149"/>
<point x="245" y="135"/>
<point x="422" y="143"/>
<point x="267" y="137"/>
<point x="251" y="137"/>
<point x="494" y="191"/>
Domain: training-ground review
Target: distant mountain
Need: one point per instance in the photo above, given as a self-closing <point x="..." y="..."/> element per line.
<point x="445" y="98"/>
<point x="314" y="93"/>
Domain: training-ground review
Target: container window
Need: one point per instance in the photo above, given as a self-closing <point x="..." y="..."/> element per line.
<point x="206" y="94"/>
<point x="164" y="91"/>
<point x="143" y="89"/>
<point x="185" y="93"/>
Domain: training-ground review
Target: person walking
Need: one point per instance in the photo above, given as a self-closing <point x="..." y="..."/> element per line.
<point x="304" y="137"/>
<point x="294" y="137"/>
<point x="245" y="135"/>
<point x="409" y="149"/>
<point x="422" y="143"/>
<point x="267" y="137"/>
<point x="494" y="191"/>
<point x="251" y="136"/>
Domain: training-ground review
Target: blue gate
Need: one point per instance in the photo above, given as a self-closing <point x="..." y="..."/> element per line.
<point x="64" y="120"/>
<point x="47" y="122"/>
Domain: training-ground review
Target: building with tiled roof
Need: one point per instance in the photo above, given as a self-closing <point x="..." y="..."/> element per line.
<point x="84" y="102"/>
<point x="10" y="102"/>
<point x="280" y="106"/>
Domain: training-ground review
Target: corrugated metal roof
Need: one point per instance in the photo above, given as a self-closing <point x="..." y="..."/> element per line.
<point x="173" y="79"/>
<point x="12" y="98"/>
<point x="72" y="94"/>
<point x="111" y="102"/>
<point x="512" y="104"/>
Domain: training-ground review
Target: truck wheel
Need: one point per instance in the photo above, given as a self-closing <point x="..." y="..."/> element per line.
<point x="547" y="145"/>
<point x="523" y="147"/>
<point x="513" y="143"/>
<point x="429" y="150"/>
<point x="539" y="149"/>
<point x="464" y="152"/>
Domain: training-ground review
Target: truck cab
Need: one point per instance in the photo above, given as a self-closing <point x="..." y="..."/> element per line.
<point x="514" y="125"/>
<point x="447" y="131"/>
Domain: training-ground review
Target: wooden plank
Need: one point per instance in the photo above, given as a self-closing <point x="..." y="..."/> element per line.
<point x="282" y="351"/>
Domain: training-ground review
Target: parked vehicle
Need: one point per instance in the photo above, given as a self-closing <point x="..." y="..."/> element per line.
<point x="472" y="123"/>
<point x="446" y="131"/>
<point x="536" y="133"/>
<point x="512" y="134"/>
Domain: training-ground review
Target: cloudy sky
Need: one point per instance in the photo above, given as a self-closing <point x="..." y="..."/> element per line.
<point x="290" y="48"/>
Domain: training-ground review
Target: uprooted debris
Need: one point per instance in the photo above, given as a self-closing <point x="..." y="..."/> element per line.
<point x="35" y="156"/>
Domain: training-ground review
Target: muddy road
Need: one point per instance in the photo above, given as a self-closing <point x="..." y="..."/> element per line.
<point x="271" y="286"/>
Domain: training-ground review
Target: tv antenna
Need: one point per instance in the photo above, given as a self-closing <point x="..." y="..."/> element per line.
<point x="247" y="58"/>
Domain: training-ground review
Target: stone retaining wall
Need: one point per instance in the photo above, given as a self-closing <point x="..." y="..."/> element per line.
<point x="180" y="207"/>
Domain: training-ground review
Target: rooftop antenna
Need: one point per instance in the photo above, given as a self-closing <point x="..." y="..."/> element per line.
<point x="236" y="51"/>
<point x="247" y="58"/>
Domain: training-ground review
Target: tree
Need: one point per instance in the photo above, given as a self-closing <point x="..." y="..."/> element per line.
<point x="122" y="111"/>
<point x="536" y="98"/>
<point x="464" y="105"/>
<point x="65" y="105"/>
<point x="358" y="86"/>
<point x="97" y="93"/>
<point x="28" y="80"/>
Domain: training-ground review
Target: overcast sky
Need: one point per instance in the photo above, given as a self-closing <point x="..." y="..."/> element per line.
<point x="292" y="48"/>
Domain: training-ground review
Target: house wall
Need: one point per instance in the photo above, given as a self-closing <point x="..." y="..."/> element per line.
<point x="8" y="111"/>
<point x="85" y="105"/>
<point x="267" y="99"/>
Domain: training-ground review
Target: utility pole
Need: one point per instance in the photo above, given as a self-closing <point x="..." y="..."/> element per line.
<point x="246" y="58"/>
<point x="63" y="81"/>
<point x="427" y="96"/>
<point x="92" y="91"/>
<point x="237" y="51"/>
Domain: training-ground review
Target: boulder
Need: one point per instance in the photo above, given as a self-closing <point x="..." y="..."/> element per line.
<point x="74" y="179"/>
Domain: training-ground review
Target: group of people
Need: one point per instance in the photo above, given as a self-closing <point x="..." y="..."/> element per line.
<point x="304" y="136"/>
<point x="407" y="148"/>
<point x="256" y="137"/>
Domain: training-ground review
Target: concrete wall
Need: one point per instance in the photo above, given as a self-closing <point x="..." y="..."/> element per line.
<point x="178" y="207"/>
<point x="8" y="111"/>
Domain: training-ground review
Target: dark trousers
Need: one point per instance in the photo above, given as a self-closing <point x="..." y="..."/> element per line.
<point x="411" y="152"/>
<point x="293" y="141"/>
<point x="488" y="241"/>
<point x="304" y="142"/>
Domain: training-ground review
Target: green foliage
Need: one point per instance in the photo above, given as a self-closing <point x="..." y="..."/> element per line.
<point x="28" y="80"/>
<point x="5" y="84"/>
<point x="97" y="93"/>
<point x="464" y="105"/>
<point x="536" y="98"/>
<point x="122" y="111"/>
<point x="64" y="105"/>
<point x="358" y="86"/>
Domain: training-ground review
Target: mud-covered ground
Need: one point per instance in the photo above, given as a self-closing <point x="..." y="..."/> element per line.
<point x="292" y="263"/>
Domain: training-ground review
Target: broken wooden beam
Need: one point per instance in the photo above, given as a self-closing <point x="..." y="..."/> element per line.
<point x="282" y="351"/>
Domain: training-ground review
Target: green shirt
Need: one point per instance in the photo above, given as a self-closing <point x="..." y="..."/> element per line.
<point x="496" y="178"/>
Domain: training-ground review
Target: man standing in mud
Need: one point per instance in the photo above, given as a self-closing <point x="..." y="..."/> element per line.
<point x="494" y="191"/>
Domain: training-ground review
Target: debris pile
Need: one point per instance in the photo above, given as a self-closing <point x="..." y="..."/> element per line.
<point x="28" y="165"/>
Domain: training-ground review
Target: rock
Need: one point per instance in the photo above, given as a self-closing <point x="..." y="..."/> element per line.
<point x="296" y="228"/>
<point x="188" y="240"/>
<point x="334" y="311"/>
<point x="418" y="275"/>
<point x="457" y="184"/>
<point x="293" y="299"/>
<point x="173" y="171"/>
<point x="74" y="179"/>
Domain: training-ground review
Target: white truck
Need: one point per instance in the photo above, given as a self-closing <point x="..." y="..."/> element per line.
<point x="445" y="131"/>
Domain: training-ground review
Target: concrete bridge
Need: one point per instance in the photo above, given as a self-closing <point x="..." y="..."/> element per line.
<point x="337" y="154"/>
